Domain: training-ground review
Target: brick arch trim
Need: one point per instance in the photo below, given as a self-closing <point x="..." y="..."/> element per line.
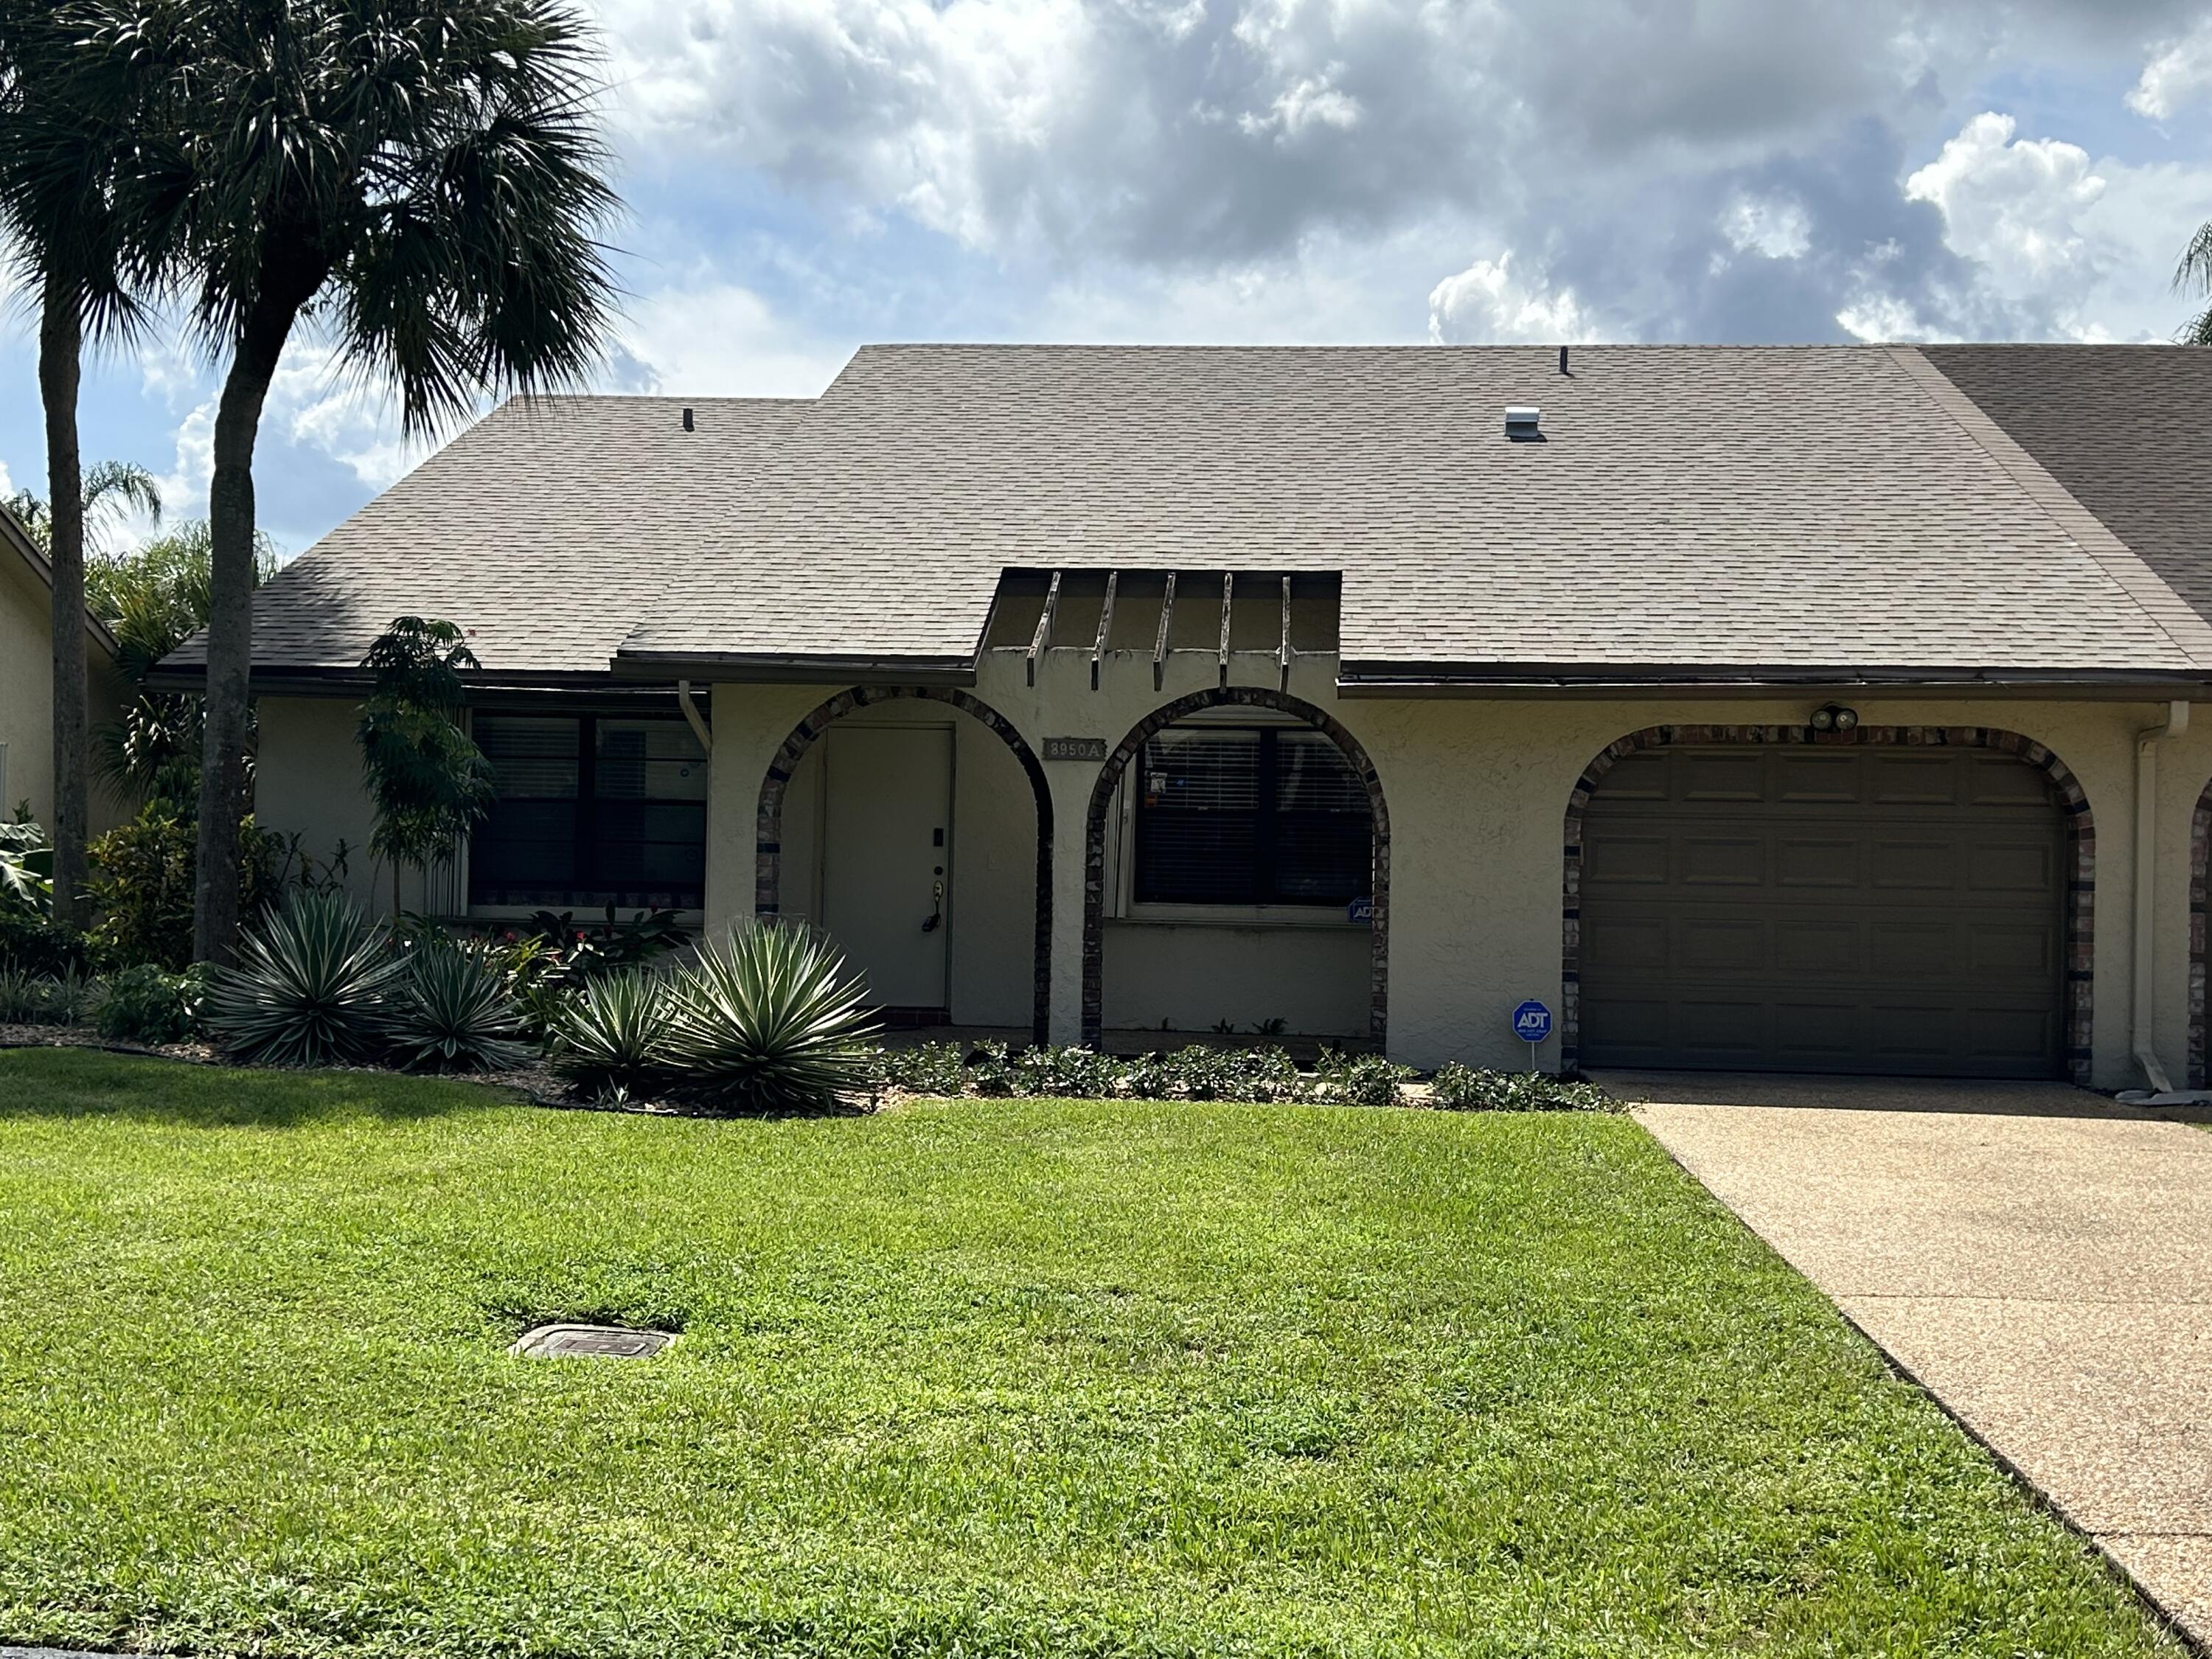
<point x="768" y="855"/>
<point x="2200" y="854"/>
<point x="2081" y="841"/>
<point x="1102" y="796"/>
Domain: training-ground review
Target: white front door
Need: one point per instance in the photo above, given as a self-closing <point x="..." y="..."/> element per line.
<point x="886" y="866"/>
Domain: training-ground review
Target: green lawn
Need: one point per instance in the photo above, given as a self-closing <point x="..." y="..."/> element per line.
<point x="972" y="1378"/>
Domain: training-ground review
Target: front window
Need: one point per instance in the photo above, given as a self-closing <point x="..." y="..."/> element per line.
<point x="592" y="810"/>
<point x="1259" y="816"/>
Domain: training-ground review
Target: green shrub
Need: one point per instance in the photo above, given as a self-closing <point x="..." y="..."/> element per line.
<point x="33" y="943"/>
<point x="147" y="1004"/>
<point x="584" y="951"/>
<point x="1358" y="1079"/>
<point x="451" y="1012"/>
<point x="927" y="1068"/>
<point x="140" y="882"/>
<point x="310" y="987"/>
<point x="611" y="1037"/>
<point x="36" y="999"/>
<point x="26" y="868"/>
<point x="1457" y="1088"/>
<point x="767" y="1020"/>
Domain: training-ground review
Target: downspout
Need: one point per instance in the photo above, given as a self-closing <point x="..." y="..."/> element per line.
<point x="707" y="739"/>
<point x="2142" y="1023"/>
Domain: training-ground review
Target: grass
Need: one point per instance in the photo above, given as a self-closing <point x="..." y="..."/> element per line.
<point x="975" y="1378"/>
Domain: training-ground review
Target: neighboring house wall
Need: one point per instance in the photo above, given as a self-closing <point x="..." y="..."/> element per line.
<point x="1478" y="791"/>
<point x="26" y="706"/>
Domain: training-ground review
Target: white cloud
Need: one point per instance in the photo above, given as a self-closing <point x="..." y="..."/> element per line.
<point x="1773" y="227"/>
<point x="2011" y="204"/>
<point x="1486" y="303"/>
<point x="2058" y="244"/>
<point x="1877" y="317"/>
<point x="717" y="339"/>
<point x="2179" y="73"/>
<point x="1311" y="103"/>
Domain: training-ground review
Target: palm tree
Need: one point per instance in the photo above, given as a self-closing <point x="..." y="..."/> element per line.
<point x="428" y="174"/>
<point x="2195" y="272"/>
<point x="110" y="489"/>
<point x="61" y="138"/>
<point x="153" y="599"/>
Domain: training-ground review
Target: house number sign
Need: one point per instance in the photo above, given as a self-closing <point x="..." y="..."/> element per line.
<point x="1075" y="749"/>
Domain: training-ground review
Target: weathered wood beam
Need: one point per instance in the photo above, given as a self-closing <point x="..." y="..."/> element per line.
<point x="1228" y="599"/>
<point x="1160" y="645"/>
<point x="1105" y="624"/>
<point x="1039" y="640"/>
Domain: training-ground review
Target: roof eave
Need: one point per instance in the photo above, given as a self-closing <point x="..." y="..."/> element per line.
<point x="1429" y="679"/>
<point x="760" y="667"/>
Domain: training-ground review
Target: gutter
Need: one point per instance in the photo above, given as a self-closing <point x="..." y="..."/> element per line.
<point x="2142" y="1011"/>
<point x="1387" y="679"/>
<point x="692" y="718"/>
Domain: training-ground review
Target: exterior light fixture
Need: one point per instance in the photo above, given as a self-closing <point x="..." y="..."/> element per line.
<point x="1835" y="717"/>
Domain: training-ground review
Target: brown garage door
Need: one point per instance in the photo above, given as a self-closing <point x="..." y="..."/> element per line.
<point x="1862" y="910"/>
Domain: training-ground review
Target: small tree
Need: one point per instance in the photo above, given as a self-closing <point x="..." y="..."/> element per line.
<point x="427" y="782"/>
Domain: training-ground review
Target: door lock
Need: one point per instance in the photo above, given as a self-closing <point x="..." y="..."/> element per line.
<point x="937" y="916"/>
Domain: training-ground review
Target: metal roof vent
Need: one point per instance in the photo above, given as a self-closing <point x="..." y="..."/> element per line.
<point x="1521" y="421"/>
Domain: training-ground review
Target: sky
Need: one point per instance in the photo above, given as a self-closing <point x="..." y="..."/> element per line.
<point x="803" y="176"/>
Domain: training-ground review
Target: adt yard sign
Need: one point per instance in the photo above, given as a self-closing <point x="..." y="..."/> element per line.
<point x="1532" y="1024"/>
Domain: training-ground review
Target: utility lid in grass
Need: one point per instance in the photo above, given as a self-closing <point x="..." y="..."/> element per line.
<point x="612" y="1341"/>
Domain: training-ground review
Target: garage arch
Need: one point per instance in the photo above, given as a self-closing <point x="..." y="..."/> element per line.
<point x="2079" y="875"/>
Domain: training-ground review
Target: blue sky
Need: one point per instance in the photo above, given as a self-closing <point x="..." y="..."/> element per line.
<point x="804" y="175"/>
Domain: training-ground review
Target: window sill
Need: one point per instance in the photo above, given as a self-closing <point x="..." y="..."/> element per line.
<point x="1329" y="918"/>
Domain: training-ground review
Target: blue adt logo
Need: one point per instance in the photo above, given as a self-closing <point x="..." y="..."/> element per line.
<point x="1531" y="1022"/>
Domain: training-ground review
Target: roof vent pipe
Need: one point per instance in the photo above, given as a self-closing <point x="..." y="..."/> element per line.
<point x="1563" y="360"/>
<point x="687" y="417"/>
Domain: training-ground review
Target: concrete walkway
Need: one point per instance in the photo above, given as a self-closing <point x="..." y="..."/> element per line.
<point x="2037" y="1257"/>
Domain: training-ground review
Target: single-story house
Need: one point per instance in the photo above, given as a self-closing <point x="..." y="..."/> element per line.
<point x="27" y="680"/>
<point x="1821" y="708"/>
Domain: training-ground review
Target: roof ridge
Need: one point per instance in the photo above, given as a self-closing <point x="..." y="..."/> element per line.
<point x="2172" y="615"/>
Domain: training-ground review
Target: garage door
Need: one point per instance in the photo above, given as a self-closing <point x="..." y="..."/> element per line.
<point x="1874" y="910"/>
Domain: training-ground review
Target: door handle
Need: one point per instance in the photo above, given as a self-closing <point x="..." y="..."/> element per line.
<point x="937" y="916"/>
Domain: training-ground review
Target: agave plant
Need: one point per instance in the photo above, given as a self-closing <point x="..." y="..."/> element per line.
<point x="612" y="1035"/>
<point x="313" y="984"/>
<point x="453" y="1011"/>
<point x="768" y="1020"/>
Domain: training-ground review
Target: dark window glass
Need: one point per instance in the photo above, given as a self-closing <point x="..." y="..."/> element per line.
<point x="592" y="810"/>
<point x="1228" y="816"/>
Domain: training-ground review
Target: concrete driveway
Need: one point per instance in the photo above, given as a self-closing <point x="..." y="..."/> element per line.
<point x="2037" y="1257"/>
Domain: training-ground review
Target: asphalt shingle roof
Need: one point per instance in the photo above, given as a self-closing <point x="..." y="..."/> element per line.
<point x="547" y="528"/>
<point x="1753" y="507"/>
<point x="2126" y="430"/>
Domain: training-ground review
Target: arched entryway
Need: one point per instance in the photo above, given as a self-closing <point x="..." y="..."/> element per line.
<point x="1784" y="852"/>
<point x="1109" y="778"/>
<point x="768" y="879"/>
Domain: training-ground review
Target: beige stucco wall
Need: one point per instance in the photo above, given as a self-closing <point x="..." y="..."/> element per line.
<point x="1162" y="975"/>
<point x="307" y="781"/>
<point x="27" y="702"/>
<point x="1477" y="791"/>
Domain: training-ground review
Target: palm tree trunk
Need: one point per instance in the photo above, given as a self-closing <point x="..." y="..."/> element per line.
<point x="61" y="339"/>
<point x="230" y="625"/>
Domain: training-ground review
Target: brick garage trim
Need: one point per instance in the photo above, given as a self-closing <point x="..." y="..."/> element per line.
<point x="1094" y="842"/>
<point x="768" y="855"/>
<point x="2081" y="839"/>
<point x="2200" y="849"/>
